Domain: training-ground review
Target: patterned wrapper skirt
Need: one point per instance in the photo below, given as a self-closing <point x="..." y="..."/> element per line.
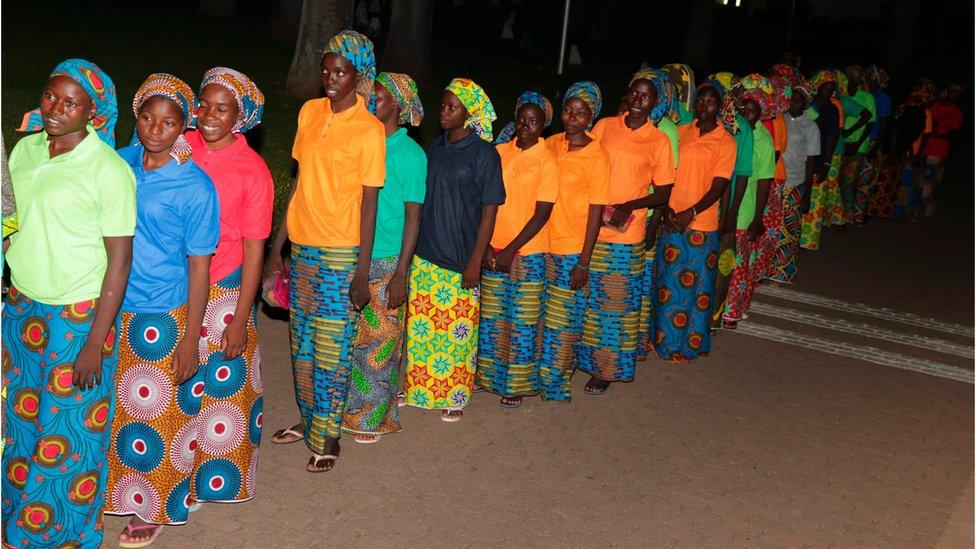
<point x="54" y="472"/>
<point x="783" y="265"/>
<point x="834" y="213"/>
<point x="442" y="338"/>
<point x="908" y="198"/>
<point x="882" y="202"/>
<point x="156" y="431"/>
<point x="727" y="254"/>
<point x="645" y="341"/>
<point x="608" y="350"/>
<point x="765" y="245"/>
<point x="686" y="279"/>
<point x="812" y="222"/>
<point x="744" y="278"/>
<point x="562" y="327"/>
<point x="867" y="173"/>
<point x="232" y="398"/>
<point x="930" y="179"/>
<point x="510" y="332"/>
<point x="323" y="330"/>
<point x="850" y="170"/>
<point x="371" y="403"/>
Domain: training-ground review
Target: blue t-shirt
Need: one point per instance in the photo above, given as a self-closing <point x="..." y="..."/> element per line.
<point x="882" y="102"/>
<point x="462" y="178"/>
<point x="177" y="215"/>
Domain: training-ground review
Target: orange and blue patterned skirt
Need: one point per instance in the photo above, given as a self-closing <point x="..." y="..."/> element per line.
<point x="686" y="268"/>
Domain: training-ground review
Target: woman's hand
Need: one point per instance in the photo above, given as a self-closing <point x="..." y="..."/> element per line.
<point x="87" y="370"/>
<point x="234" y="339"/>
<point x="579" y="277"/>
<point x="273" y="265"/>
<point x="396" y="291"/>
<point x="489" y="260"/>
<point x="681" y="220"/>
<point x="359" y="290"/>
<point x="186" y="359"/>
<point x="621" y="212"/>
<point x="756" y="228"/>
<point x="504" y="260"/>
<point x="471" y="276"/>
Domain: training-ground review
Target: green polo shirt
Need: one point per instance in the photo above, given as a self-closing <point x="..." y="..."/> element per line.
<point x="764" y="167"/>
<point x="66" y="205"/>
<point x="853" y="106"/>
<point x="406" y="181"/>
<point x="667" y="126"/>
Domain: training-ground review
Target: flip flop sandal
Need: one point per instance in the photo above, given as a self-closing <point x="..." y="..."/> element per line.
<point x="289" y="432"/>
<point x="511" y="404"/>
<point x="195" y="507"/>
<point x="371" y="440"/>
<point x="401" y="400"/>
<point x="452" y="418"/>
<point x="314" y="462"/>
<point x="130" y="529"/>
<point x="596" y="390"/>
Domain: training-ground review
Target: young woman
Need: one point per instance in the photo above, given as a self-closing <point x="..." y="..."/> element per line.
<point x="514" y="276"/>
<point x="69" y="262"/>
<point x="640" y="157"/>
<point x="584" y="190"/>
<point x="946" y="118"/>
<point x="231" y="104"/>
<point x="340" y="149"/>
<point x="688" y="245"/>
<point x="911" y="120"/>
<point x="882" y="197"/>
<point x="464" y="190"/>
<point x="824" y="203"/>
<point x="160" y="385"/>
<point x="858" y="119"/>
<point x="371" y="406"/>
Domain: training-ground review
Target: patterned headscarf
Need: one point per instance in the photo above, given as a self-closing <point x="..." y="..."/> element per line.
<point x="682" y="77"/>
<point x="843" y="86"/>
<point x="922" y="94"/>
<point x="98" y="86"/>
<point x="358" y="50"/>
<point x="176" y="90"/>
<point x="589" y="93"/>
<point x="821" y="77"/>
<point x="405" y="95"/>
<point x="250" y="100"/>
<point x="759" y="89"/>
<point x="787" y="79"/>
<point x="481" y="112"/>
<point x="726" y="79"/>
<point x="666" y="103"/>
<point x="878" y="76"/>
<point x="527" y="98"/>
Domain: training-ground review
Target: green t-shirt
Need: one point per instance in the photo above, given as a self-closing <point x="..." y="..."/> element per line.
<point x="743" y="148"/>
<point x="406" y="181"/>
<point x="670" y="130"/>
<point x="854" y="105"/>
<point x="66" y="205"/>
<point x="684" y="115"/>
<point x="764" y="167"/>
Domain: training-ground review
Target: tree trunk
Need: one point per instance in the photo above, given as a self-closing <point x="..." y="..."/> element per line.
<point x="698" y="38"/>
<point x="407" y="46"/>
<point x="321" y="19"/>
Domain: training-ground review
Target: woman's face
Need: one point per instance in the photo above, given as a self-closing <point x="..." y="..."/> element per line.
<point x="576" y="116"/>
<point x="641" y="98"/>
<point x="453" y="114"/>
<point x="798" y="103"/>
<point x="65" y="106"/>
<point x="386" y="108"/>
<point x="826" y="90"/>
<point x="339" y="77"/>
<point x="751" y="111"/>
<point x="218" y="112"/>
<point x="159" y="124"/>
<point x="530" y="120"/>
<point x="706" y="104"/>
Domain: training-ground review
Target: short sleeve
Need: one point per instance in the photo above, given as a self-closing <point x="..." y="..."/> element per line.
<point x="373" y="158"/>
<point x="663" y="163"/>
<point x="744" y="143"/>
<point x="598" y="130"/>
<point x="599" y="188"/>
<point x="258" y="203"/>
<point x="492" y="186"/>
<point x="765" y="165"/>
<point x="299" y="132"/>
<point x="413" y="175"/>
<point x="726" y="159"/>
<point x="813" y="139"/>
<point x="201" y="218"/>
<point x="780" y="134"/>
<point x="548" y="180"/>
<point x="116" y="200"/>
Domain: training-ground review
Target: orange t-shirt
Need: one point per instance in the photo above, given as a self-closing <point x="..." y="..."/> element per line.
<point x="337" y="154"/>
<point x="638" y="158"/>
<point x="584" y="179"/>
<point x="529" y="176"/>
<point x="780" y="134"/>
<point x="701" y="158"/>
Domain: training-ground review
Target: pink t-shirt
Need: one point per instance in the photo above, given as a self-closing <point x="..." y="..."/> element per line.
<point x="245" y="191"/>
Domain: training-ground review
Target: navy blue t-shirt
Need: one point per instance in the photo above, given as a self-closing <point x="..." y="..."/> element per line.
<point x="462" y="178"/>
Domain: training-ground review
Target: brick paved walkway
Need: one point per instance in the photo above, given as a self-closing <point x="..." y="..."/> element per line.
<point x="763" y="443"/>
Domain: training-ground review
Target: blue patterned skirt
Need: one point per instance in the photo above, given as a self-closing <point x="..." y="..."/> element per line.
<point x="686" y="270"/>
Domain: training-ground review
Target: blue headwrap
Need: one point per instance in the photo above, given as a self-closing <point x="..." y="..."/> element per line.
<point x="666" y="101"/>
<point x="98" y="86"/>
<point x="358" y="50"/>
<point x="527" y="98"/>
<point x="589" y="92"/>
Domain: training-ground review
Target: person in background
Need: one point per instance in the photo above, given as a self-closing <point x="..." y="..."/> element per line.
<point x="464" y="190"/>
<point x="76" y="207"/>
<point x="946" y="116"/>
<point x="882" y="195"/>
<point x="683" y="79"/>
<point x="584" y="182"/>
<point x="340" y="148"/>
<point x="371" y="406"/>
<point x="825" y="205"/>
<point x="910" y="123"/>
<point x="857" y="130"/>
<point x="514" y="276"/>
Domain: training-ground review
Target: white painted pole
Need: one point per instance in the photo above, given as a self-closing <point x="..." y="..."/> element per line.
<point x="562" y="43"/>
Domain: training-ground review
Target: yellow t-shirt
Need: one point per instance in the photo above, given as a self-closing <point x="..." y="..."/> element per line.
<point x="529" y="176"/>
<point x="338" y="154"/>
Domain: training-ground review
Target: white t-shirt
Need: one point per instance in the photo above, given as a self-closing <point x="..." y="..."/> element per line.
<point x="803" y="140"/>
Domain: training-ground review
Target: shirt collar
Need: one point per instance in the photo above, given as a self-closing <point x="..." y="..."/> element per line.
<point x="197" y="141"/>
<point x="397" y="135"/>
<point x="464" y="143"/>
<point x="88" y="144"/>
<point x="348" y="113"/>
<point x="169" y="170"/>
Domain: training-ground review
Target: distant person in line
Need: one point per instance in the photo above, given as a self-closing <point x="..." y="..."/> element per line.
<point x="773" y="215"/>
<point x="909" y="125"/>
<point x="513" y="280"/>
<point x="946" y="118"/>
<point x="858" y="118"/>
<point x="340" y="148"/>
<point x="825" y="205"/>
<point x="464" y="190"/>
<point x="882" y="195"/>
<point x="69" y="264"/>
